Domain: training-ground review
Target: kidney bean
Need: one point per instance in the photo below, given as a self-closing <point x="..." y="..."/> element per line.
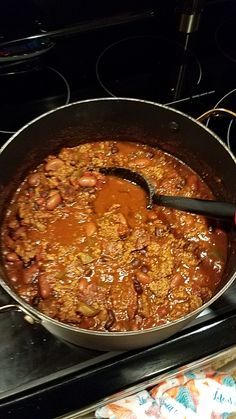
<point x="150" y="154"/>
<point x="143" y="251"/>
<point x="181" y="184"/>
<point x="142" y="162"/>
<point x="44" y="286"/>
<point x="192" y="182"/>
<point x="151" y="215"/>
<point x="206" y="294"/>
<point x="36" y="301"/>
<point x="142" y="242"/>
<point x="137" y="286"/>
<point x="114" y="149"/>
<point x="90" y="228"/>
<point x="87" y="181"/>
<point x="99" y="184"/>
<point x="12" y="257"/>
<point x="40" y="201"/>
<point x="53" y="201"/>
<point x="160" y="232"/>
<point x="9" y="242"/>
<point x="52" y="192"/>
<point x="219" y="232"/>
<point x="13" y="224"/>
<point x="88" y="272"/>
<point x="144" y="269"/>
<point x="123" y="231"/>
<point x="189" y="221"/>
<point x="122" y="219"/>
<point x="110" y="319"/>
<point x="96" y="174"/>
<point x="162" y="311"/>
<point x="82" y="284"/>
<point x="74" y="181"/>
<point x="14" y="277"/>
<point x="34" y="179"/>
<point x="19" y="232"/>
<point x="176" y="280"/>
<point x="30" y="273"/>
<point x="143" y="277"/>
<point x="135" y="262"/>
<point x="53" y="164"/>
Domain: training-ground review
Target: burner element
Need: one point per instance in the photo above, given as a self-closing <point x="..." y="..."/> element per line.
<point x="225" y="127"/>
<point x="225" y="39"/>
<point x="26" y="95"/>
<point x="148" y="67"/>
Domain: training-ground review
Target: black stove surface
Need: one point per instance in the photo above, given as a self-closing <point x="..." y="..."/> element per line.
<point x="148" y="59"/>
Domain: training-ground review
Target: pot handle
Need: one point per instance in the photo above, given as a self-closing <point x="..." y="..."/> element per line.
<point x="216" y="112"/>
<point x="29" y="317"/>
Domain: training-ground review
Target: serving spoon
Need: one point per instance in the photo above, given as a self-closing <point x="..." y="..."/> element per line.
<point x="209" y="208"/>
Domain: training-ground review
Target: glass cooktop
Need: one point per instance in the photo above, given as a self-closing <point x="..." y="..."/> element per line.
<point x="150" y="60"/>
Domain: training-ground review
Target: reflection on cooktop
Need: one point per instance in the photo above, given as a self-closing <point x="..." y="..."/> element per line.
<point x="225" y="125"/>
<point x="225" y="38"/>
<point x="27" y="94"/>
<point x="148" y="66"/>
<point x="29" y="355"/>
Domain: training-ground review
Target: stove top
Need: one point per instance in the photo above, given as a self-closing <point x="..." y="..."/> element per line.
<point x="148" y="59"/>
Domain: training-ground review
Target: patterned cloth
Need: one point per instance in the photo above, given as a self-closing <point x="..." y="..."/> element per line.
<point x="201" y="395"/>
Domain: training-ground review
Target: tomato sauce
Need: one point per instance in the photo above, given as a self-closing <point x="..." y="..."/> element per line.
<point x="83" y="248"/>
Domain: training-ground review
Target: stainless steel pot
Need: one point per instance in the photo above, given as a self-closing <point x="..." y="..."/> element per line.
<point x="120" y="119"/>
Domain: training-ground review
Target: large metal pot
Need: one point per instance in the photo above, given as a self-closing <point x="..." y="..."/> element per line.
<point x="120" y="119"/>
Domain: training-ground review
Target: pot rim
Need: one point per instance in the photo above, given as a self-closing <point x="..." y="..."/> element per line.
<point x="77" y="329"/>
<point x="115" y="99"/>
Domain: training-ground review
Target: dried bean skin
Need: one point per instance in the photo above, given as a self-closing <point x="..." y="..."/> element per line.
<point x="137" y="286"/>
<point x="111" y="319"/>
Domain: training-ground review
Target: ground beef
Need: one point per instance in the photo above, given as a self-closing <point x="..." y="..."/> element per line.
<point x="83" y="248"/>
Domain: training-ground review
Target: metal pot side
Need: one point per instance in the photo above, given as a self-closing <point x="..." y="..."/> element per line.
<point x="124" y="120"/>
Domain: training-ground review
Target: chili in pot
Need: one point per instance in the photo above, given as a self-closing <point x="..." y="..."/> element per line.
<point x="83" y="248"/>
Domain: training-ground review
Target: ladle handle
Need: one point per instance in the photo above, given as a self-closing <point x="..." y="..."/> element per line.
<point x="212" y="209"/>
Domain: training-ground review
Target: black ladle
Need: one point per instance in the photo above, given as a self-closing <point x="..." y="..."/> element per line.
<point x="213" y="209"/>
